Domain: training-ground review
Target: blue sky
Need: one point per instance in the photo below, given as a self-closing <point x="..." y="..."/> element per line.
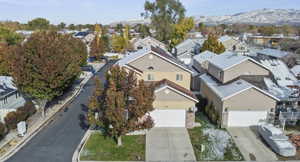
<point x="106" y="11"/>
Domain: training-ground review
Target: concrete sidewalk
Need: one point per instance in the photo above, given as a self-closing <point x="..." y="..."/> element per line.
<point x="250" y="143"/>
<point x="169" y="144"/>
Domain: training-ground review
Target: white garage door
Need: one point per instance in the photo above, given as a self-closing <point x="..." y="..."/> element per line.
<point x="245" y="118"/>
<point x="168" y="118"/>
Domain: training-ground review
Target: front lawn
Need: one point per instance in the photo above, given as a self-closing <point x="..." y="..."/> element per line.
<point x="217" y="143"/>
<point x="100" y="148"/>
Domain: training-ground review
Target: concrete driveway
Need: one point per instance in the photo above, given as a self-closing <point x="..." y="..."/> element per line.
<point x="249" y="142"/>
<point x="169" y="144"/>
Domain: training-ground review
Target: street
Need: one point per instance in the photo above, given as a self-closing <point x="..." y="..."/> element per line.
<point x="58" y="140"/>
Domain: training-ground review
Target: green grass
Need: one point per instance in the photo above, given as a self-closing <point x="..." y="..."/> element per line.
<point x="100" y="148"/>
<point x="198" y="140"/>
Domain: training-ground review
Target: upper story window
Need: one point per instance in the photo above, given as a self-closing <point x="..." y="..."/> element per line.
<point x="150" y="77"/>
<point x="179" y="77"/>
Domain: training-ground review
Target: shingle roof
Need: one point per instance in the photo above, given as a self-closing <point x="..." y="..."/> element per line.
<point x="165" y="82"/>
<point x="228" y="90"/>
<point x="227" y="60"/>
<point x="204" y="56"/>
<point x="273" y="53"/>
<point x="157" y="51"/>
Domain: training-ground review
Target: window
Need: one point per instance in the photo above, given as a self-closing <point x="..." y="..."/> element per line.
<point x="179" y="77"/>
<point x="150" y="77"/>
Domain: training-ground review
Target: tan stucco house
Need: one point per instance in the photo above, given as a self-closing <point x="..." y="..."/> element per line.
<point x="233" y="44"/>
<point x="174" y="102"/>
<point x="238" y="101"/>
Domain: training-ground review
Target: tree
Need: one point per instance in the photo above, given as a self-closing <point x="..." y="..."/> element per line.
<point x="4" y="59"/>
<point x="45" y="65"/>
<point x="79" y="50"/>
<point x="11" y="120"/>
<point x="212" y="44"/>
<point x="9" y="37"/>
<point x="39" y="24"/>
<point x="144" y="30"/>
<point x="119" y="44"/>
<point x="100" y="44"/>
<point x="164" y="14"/>
<point x="123" y="105"/>
<point x="2" y="130"/>
<point x="181" y="29"/>
<point x="62" y="25"/>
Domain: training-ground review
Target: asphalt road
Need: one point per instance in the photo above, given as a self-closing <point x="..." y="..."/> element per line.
<point x="58" y="140"/>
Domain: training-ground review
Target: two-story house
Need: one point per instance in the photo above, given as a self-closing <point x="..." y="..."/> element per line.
<point x="231" y="85"/>
<point x="174" y="102"/>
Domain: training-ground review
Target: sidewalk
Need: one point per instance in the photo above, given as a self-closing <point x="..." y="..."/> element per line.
<point x="12" y="143"/>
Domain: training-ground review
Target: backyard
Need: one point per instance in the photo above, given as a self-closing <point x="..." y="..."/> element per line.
<point x="100" y="148"/>
<point x="211" y="143"/>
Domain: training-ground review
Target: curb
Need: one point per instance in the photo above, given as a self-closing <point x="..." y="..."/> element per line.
<point x="44" y="123"/>
<point x="77" y="152"/>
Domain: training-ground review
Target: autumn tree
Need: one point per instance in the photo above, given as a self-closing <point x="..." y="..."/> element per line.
<point x="122" y="106"/>
<point x="164" y="14"/>
<point x="212" y="44"/>
<point x="39" y="24"/>
<point x="4" y="59"/>
<point x="45" y="65"/>
<point x="100" y="44"/>
<point x="181" y="29"/>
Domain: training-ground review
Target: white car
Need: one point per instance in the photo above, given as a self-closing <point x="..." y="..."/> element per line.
<point x="277" y="140"/>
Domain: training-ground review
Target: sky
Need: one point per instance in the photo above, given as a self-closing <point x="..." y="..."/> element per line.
<point x="107" y="11"/>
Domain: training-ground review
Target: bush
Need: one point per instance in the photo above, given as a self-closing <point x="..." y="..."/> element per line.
<point x="11" y="120"/>
<point x="22" y="114"/>
<point x="2" y="130"/>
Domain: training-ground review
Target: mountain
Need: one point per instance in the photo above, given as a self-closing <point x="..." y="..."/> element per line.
<point x="257" y="17"/>
<point x="131" y="22"/>
<point x="262" y="16"/>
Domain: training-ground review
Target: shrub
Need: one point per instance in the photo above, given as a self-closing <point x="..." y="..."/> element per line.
<point x="2" y="130"/>
<point x="11" y="120"/>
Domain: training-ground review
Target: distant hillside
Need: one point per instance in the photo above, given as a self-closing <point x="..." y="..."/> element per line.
<point x="263" y="16"/>
<point x="258" y="17"/>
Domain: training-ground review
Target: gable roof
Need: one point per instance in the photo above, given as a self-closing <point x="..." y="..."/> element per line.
<point x="228" y="60"/>
<point x="188" y="45"/>
<point x="160" y="85"/>
<point x="204" y="56"/>
<point x="229" y="90"/>
<point x="156" y="51"/>
<point x="225" y="38"/>
<point x="143" y="41"/>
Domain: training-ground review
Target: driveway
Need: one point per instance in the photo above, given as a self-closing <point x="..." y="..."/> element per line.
<point x="249" y="142"/>
<point x="58" y="140"/>
<point x="169" y="144"/>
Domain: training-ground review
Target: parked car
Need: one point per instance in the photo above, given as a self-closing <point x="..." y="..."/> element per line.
<point x="277" y="140"/>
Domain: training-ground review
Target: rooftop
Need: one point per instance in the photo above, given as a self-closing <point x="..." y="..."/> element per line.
<point x="6" y="86"/>
<point x="204" y="56"/>
<point x="231" y="89"/>
<point x="273" y="53"/>
<point x="227" y="60"/>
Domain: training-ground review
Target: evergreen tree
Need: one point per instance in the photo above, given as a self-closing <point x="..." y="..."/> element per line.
<point x="212" y="44"/>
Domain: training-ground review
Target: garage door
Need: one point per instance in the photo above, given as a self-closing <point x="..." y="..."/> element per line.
<point x="245" y="118"/>
<point x="168" y="118"/>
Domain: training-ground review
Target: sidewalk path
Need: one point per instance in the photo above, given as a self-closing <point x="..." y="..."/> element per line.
<point x="57" y="141"/>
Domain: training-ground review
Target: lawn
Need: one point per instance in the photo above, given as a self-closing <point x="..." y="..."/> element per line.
<point x="99" y="148"/>
<point x="200" y="138"/>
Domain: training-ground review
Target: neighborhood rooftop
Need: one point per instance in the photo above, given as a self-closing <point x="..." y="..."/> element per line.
<point x="227" y="60"/>
<point x="273" y="53"/>
<point x="157" y="51"/>
<point x="204" y="56"/>
<point x="6" y="86"/>
<point x="230" y="89"/>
